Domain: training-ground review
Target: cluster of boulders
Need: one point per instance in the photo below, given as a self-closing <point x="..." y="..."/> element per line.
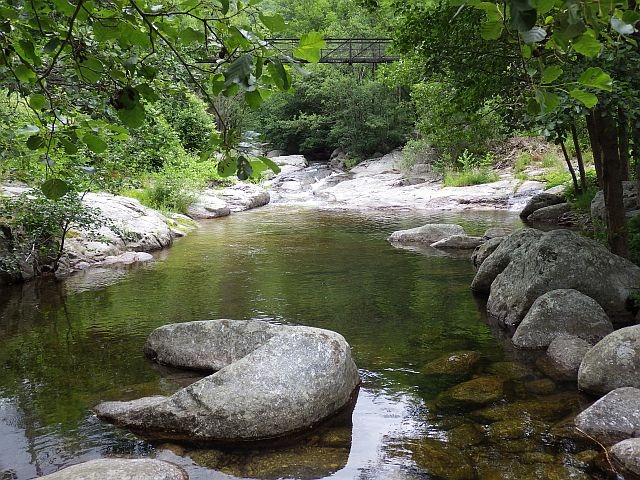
<point x="444" y="237"/>
<point x="262" y="387"/>
<point x="565" y="293"/>
<point x="548" y="209"/>
<point x="214" y="203"/>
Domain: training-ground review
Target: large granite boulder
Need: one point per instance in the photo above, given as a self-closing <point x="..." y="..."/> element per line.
<point x="291" y="160"/>
<point x="541" y="200"/>
<point x="629" y="198"/>
<point x="270" y="381"/>
<point x="551" y="215"/>
<point x="612" y="363"/>
<point x="566" y="353"/>
<point x="120" y="469"/>
<point x="482" y="252"/>
<point x="497" y="261"/>
<point x="426" y="234"/>
<point x="556" y="260"/>
<point x="626" y="456"/>
<point x="244" y="196"/>
<point x="208" y="205"/>
<point x="563" y="311"/>
<point x="613" y="418"/>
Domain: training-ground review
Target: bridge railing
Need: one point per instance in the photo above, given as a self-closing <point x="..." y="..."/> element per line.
<point x="343" y="50"/>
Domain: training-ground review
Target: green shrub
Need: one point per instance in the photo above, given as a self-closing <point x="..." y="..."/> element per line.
<point x="414" y="152"/>
<point x="523" y="161"/>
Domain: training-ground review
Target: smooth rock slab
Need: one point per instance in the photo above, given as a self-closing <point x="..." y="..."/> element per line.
<point x="613" y="362"/>
<point x="208" y="205"/>
<point x="626" y="455"/>
<point x="127" y="258"/>
<point x="120" y="469"/>
<point x="271" y="381"/>
<point x="426" y="234"/>
<point x="613" y="418"/>
<point x="458" y="242"/>
<point x="244" y="196"/>
<point x="551" y="215"/>
<point x="562" y="311"/>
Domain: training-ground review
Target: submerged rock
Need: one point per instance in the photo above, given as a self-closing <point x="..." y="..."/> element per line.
<point x="558" y="312"/>
<point x="477" y="392"/>
<point x="426" y="234"/>
<point x="495" y="263"/>
<point x="613" y="418"/>
<point x="455" y="363"/>
<point x="549" y="408"/>
<point x="539" y="201"/>
<point x="442" y="460"/>
<point x="626" y="456"/>
<point x="120" y="469"/>
<point x="612" y="363"/>
<point x="557" y="260"/>
<point x="271" y="381"/>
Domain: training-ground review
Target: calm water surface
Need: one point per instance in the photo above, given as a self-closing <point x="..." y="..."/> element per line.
<point x="65" y="347"/>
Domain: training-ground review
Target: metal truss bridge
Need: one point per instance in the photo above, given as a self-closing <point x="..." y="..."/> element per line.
<point x="344" y="50"/>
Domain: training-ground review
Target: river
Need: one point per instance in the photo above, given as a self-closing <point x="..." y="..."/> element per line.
<point x="66" y="346"/>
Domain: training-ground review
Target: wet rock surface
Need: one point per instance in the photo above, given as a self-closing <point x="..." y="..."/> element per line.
<point x="208" y="205"/>
<point x="626" y="456"/>
<point x="442" y="460"/>
<point x="426" y="234"/>
<point x="560" y="259"/>
<point x="613" y="418"/>
<point x="455" y="363"/>
<point x="558" y="312"/>
<point x="458" y="242"/>
<point x="272" y="381"/>
<point x="612" y="363"/>
<point x="120" y="469"/>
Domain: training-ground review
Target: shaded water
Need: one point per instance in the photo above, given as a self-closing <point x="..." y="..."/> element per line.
<point x="64" y="347"/>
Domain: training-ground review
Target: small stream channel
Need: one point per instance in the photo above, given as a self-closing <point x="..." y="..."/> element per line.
<point x="66" y="346"/>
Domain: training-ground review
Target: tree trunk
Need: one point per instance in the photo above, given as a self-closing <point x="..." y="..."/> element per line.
<point x="594" y="139"/>
<point x="576" y="144"/>
<point x="612" y="181"/>
<point x="635" y="138"/>
<point x="576" y="187"/>
<point x="623" y="142"/>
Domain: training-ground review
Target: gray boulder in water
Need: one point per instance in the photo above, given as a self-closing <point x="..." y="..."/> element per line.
<point x="270" y="381"/>
<point x="426" y="234"/>
<point x="120" y="469"/>
<point x="541" y="200"/>
<point x="614" y="362"/>
<point x="561" y="259"/>
<point x="563" y="311"/>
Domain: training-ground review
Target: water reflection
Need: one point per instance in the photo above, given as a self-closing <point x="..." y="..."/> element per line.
<point x="66" y="346"/>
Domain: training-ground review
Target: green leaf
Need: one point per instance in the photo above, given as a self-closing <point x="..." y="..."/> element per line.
<point x="587" y="45"/>
<point x="54" y="188"/>
<point x="191" y="35"/>
<point x="69" y="147"/>
<point x="35" y="142"/>
<point x="227" y="166"/>
<point x="253" y="98"/>
<point x="279" y="75"/>
<point x="225" y="6"/>
<point x="244" y="168"/>
<point x="589" y="99"/>
<point x="24" y="73"/>
<point x="523" y="15"/>
<point x="543" y="6"/>
<point x="551" y="74"/>
<point x="270" y="163"/>
<point x="310" y="47"/>
<point x="94" y="143"/>
<point x="491" y="30"/>
<point x="239" y="72"/>
<point x="548" y="101"/>
<point x="132" y="117"/>
<point x="91" y="70"/>
<point x="597" y="78"/>
<point x="147" y="92"/>
<point x="37" y="101"/>
<point x="274" y="23"/>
